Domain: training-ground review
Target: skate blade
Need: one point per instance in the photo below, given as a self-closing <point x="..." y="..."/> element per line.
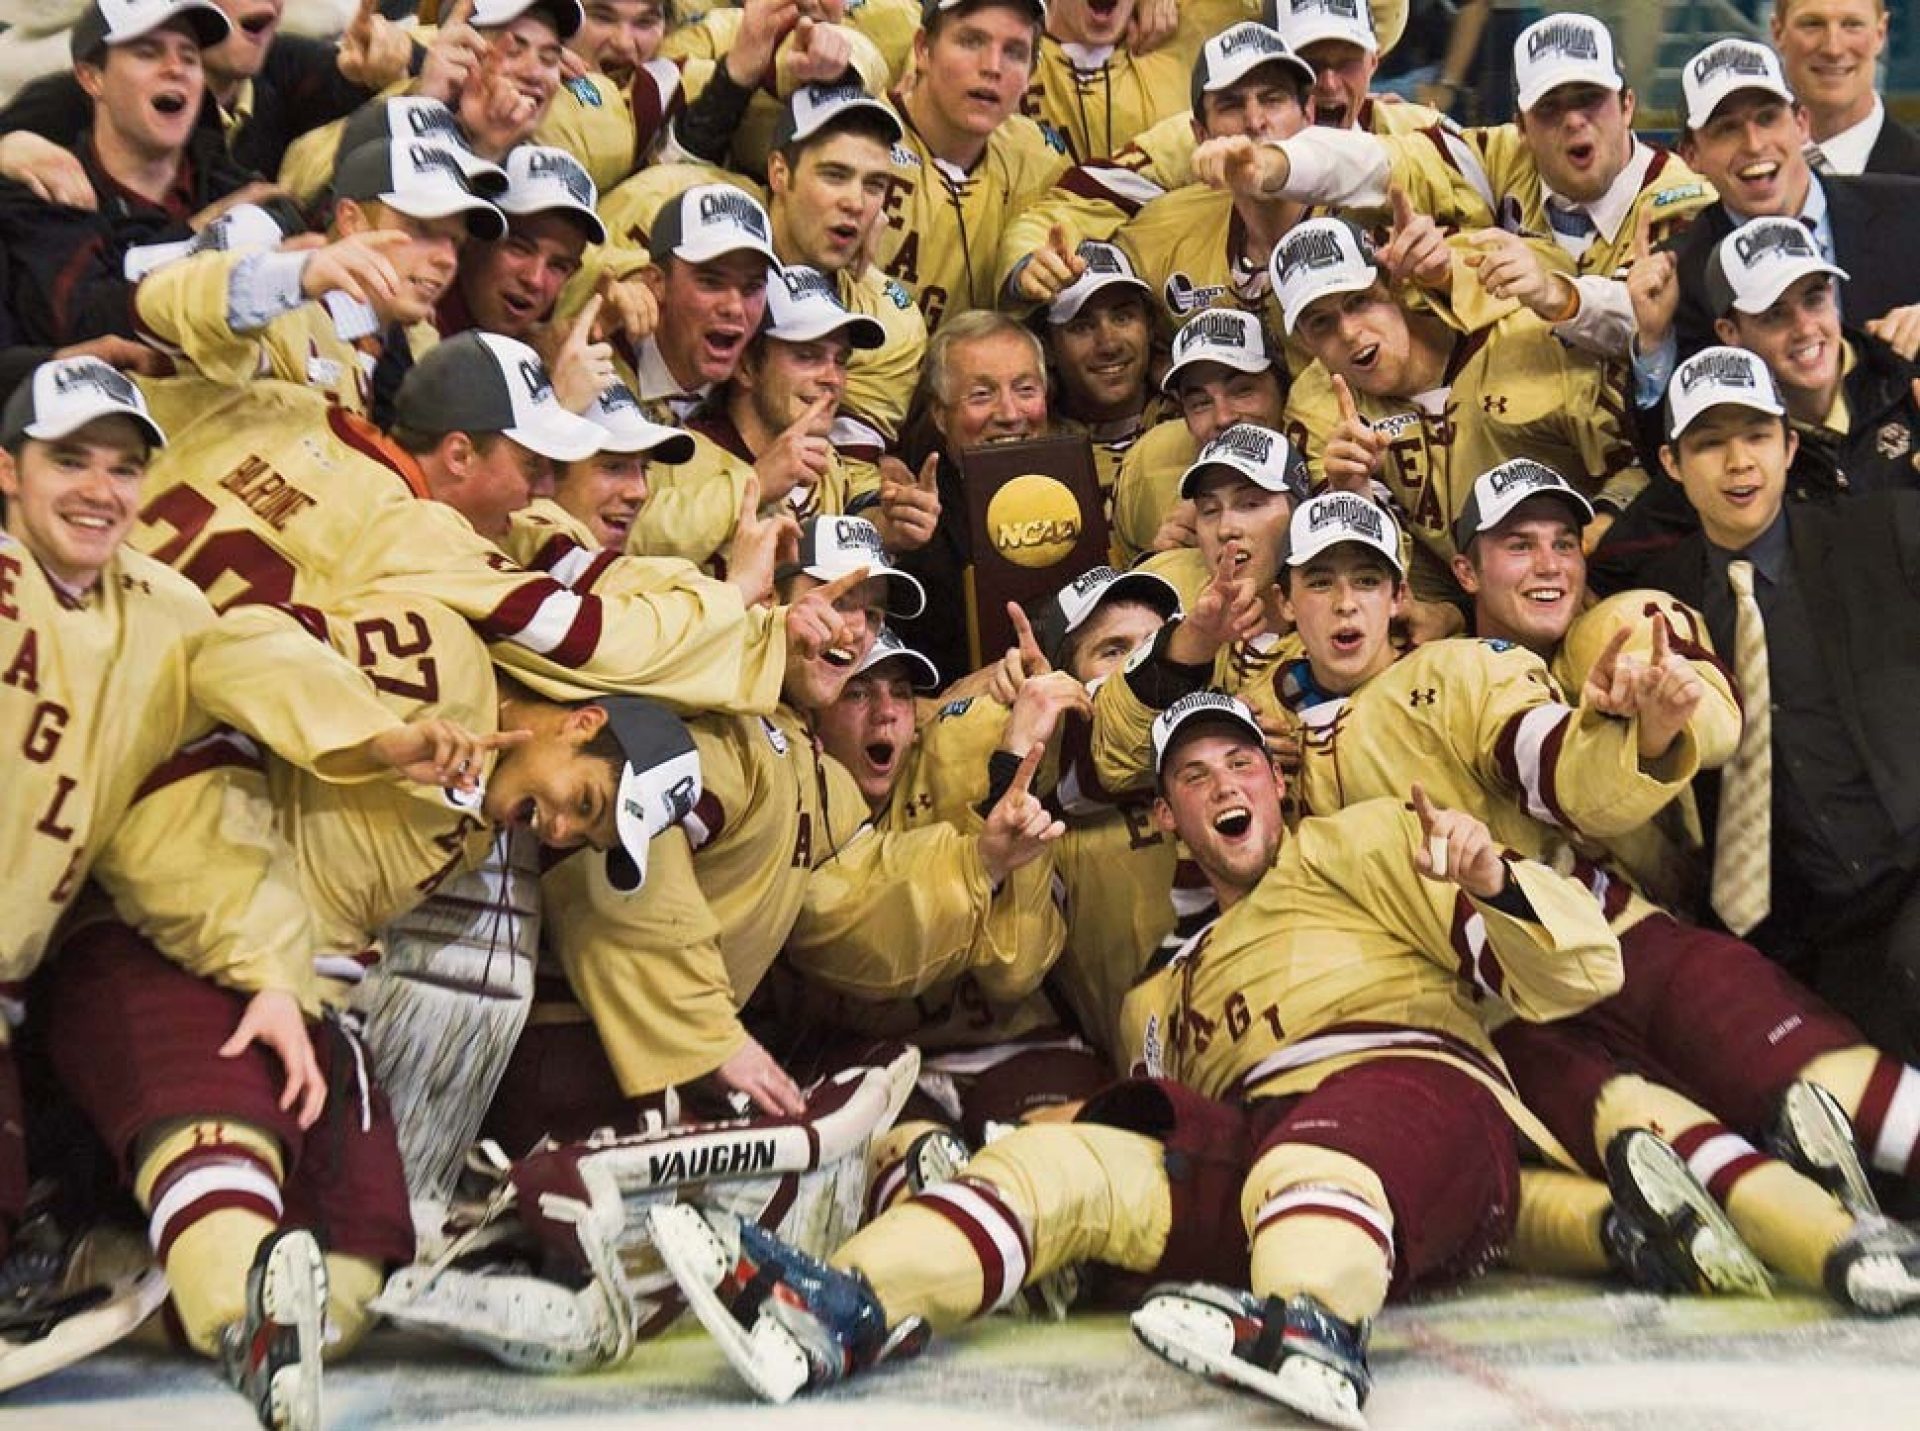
<point x="134" y="1299"/>
<point x="765" y="1355"/>
<point x="1821" y="1130"/>
<point x="293" y="1293"/>
<point x="1199" y="1339"/>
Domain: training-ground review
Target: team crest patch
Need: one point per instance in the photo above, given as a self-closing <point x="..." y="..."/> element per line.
<point x="776" y="737"/>
<point x="898" y="295"/>
<point x="1893" y="440"/>
<point x="1679" y="194"/>
<point x="586" y="92"/>
<point x="1394" y="423"/>
<point x="1183" y="295"/>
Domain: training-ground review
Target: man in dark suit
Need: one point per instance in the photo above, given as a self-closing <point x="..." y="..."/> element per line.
<point x="1746" y="133"/>
<point x="1815" y="823"/>
<point x="1830" y="50"/>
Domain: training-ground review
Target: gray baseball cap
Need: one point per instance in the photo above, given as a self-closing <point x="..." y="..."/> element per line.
<point x="418" y="178"/>
<point x="412" y="116"/>
<point x="481" y="382"/>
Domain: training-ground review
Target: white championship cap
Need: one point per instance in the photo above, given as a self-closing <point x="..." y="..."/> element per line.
<point x="1752" y="266"/>
<point x="1212" y="707"/>
<point x="1714" y="377"/>
<point x="1563" y="49"/>
<point x="1107" y="267"/>
<point x="1332" y="518"/>
<point x="1068" y="609"/>
<point x="1308" y="22"/>
<point x="1259" y="454"/>
<point x="541" y="180"/>
<point x="659" y="783"/>
<point x="1237" y="52"/>
<point x="1319" y="257"/>
<point x="1496" y="494"/>
<point x="831" y="546"/>
<point x="418" y="178"/>
<point x="815" y="106"/>
<point x="1231" y="337"/>
<point x="482" y="382"/>
<point x="1727" y="67"/>
<point x="627" y="428"/>
<point x="65" y="395"/>
<point x="710" y="221"/>
<point x="803" y="304"/>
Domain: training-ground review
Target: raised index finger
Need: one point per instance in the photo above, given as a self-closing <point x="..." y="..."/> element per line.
<point x="460" y="14"/>
<point x="582" y="333"/>
<point x="1023" y="777"/>
<point x="1662" y="646"/>
<point x="1022" y="630"/>
<point x="1610" y="653"/>
<point x="1403" y="211"/>
<point x="1344" y="395"/>
<point x="1424" y="807"/>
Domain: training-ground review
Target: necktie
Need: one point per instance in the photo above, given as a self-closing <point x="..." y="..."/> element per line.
<point x="1743" y="844"/>
<point x="1573" y="229"/>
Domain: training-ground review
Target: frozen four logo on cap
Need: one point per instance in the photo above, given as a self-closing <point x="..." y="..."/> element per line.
<point x="92" y="373"/>
<point x="1731" y="57"/>
<point x="858" y="534"/>
<point x="722" y="204"/>
<point x="1723" y="367"/>
<point x="534" y="376"/>
<point x="1255" y="444"/>
<point x="1216" y="327"/>
<point x="1522" y="472"/>
<point x="1348" y="511"/>
<point x="1249" y="36"/>
<point x="558" y="166"/>
<point x="1309" y="250"/>
<point x="805" y="285"/>
<point x="1788" y="237"/>
<point x="1566" y="37"/>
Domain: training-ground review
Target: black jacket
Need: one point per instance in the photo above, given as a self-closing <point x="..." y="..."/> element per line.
<point x="1876" y="236"/>
<point x="1858" y="564"/>
<point x="299" y="87"/>
<point x="65" y="275"/>
<point x="1896" y="151"/>
<point x="1879" y="449"/>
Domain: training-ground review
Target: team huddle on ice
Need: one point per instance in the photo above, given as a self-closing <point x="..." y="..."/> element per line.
<point x="509" y="827"/>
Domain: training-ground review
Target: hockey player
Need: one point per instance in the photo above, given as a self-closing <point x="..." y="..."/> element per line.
<point x="969" y="161"/>
<point x="347" y="319"/>
<point x="1196" y="247"/>
<point x="1333" y="1163"/>
<point x="509" y="285"/>
<point x="267" y="494"/>
<point x="1222" y="372"/>
<point x="1570" y="167"/>
<point x="1563" y="783"/>
<point x="596" y="499"/>
<point x="1099" y="335"/>
<point x="772" y="425"/>
<point x="1097" y="195"/>
<point x="827" y="182"/>
<point x="1426" y="396"/>
<point x="102" y="747"/>
<point x="777" y="854"/>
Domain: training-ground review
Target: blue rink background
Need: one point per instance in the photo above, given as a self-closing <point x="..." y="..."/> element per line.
<point x="1505" y="1353"/>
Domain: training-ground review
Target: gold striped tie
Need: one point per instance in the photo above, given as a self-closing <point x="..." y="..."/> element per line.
<point x="1743" y="844"/>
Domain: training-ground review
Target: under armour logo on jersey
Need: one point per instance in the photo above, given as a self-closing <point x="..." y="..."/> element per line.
<point x="1492" y="403"/>
<point x="1425" y="696"/>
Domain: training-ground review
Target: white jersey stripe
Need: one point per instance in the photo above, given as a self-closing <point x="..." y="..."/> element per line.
<point x="1900" y="1129"/>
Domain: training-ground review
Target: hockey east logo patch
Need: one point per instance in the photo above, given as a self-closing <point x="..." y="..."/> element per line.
<point x="1183" y="295"/>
